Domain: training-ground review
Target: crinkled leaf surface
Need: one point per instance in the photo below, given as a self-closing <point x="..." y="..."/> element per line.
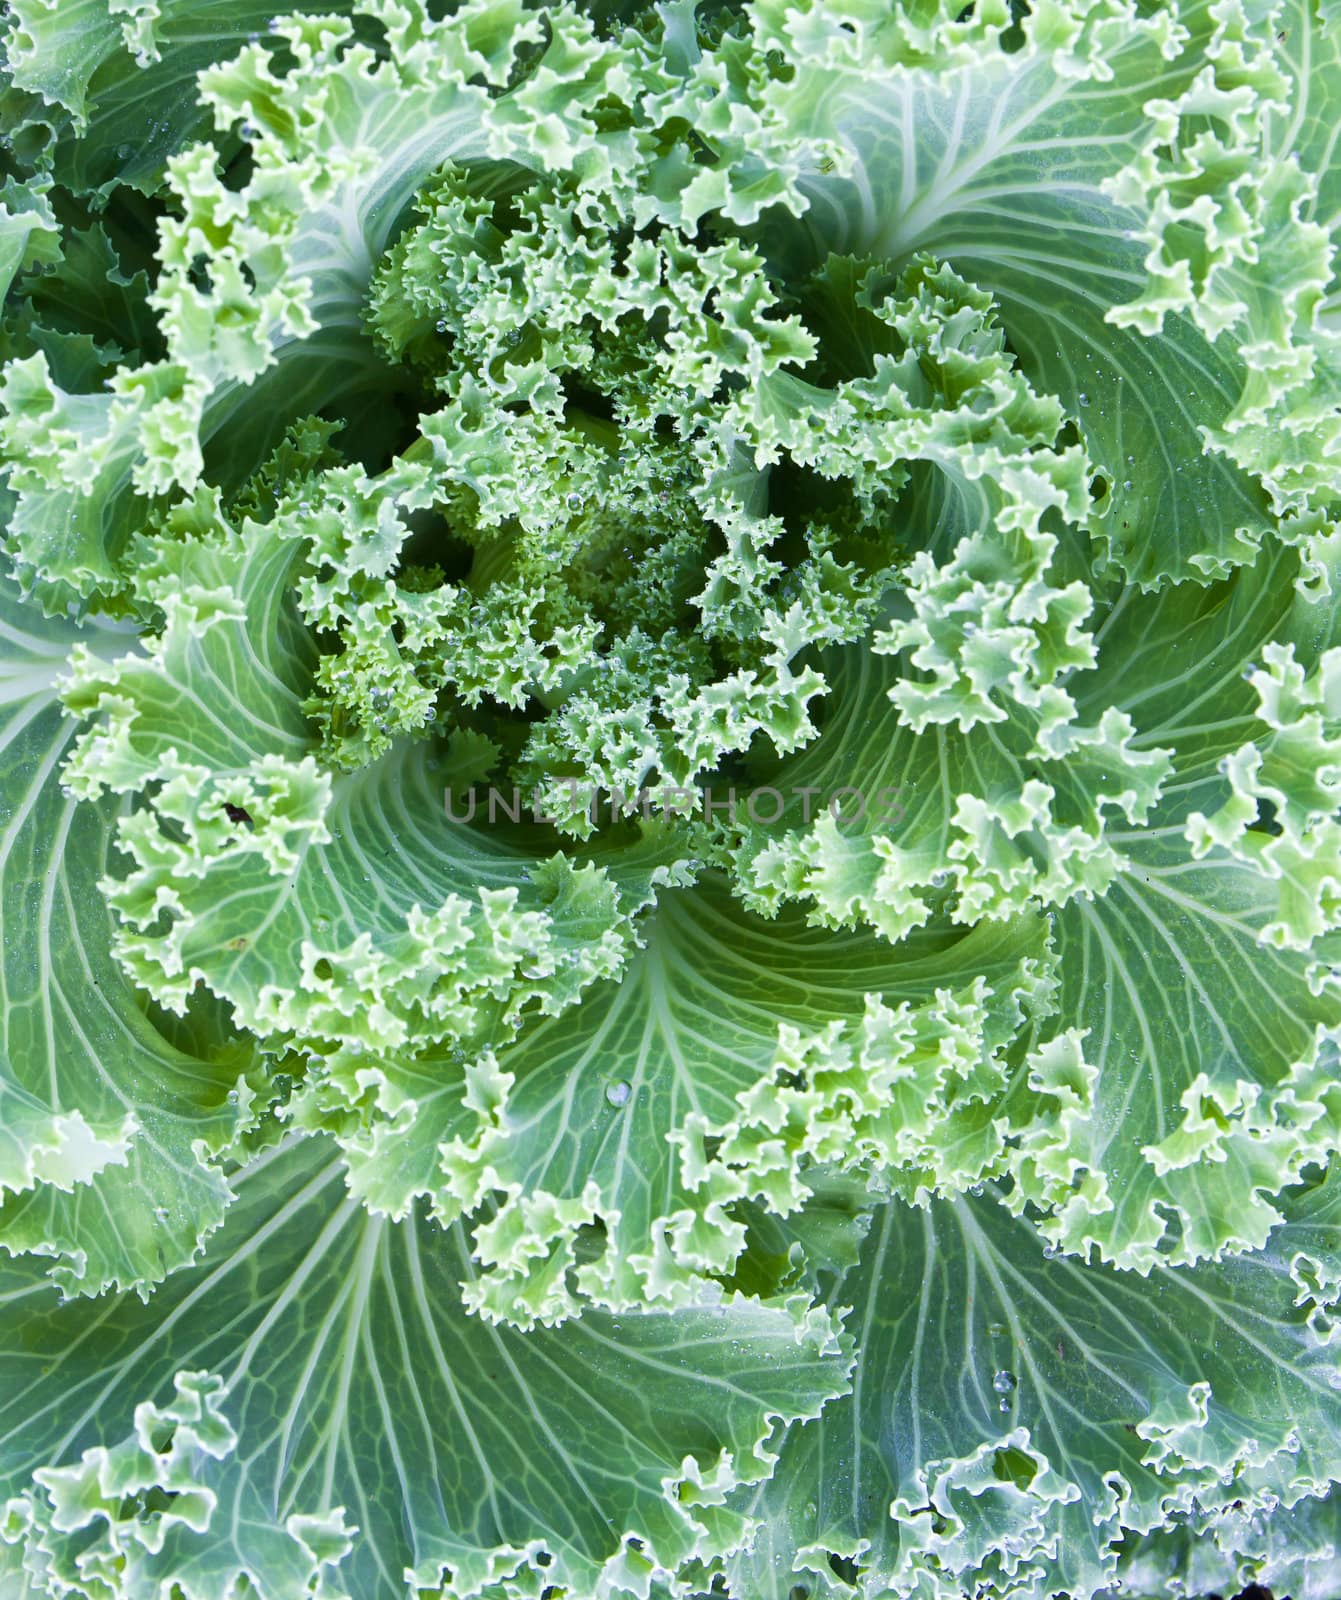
<point x="998" y="162"/>
<point x="1196" y="996"/>
<point x="608" y="1109"/>
<point x="106" y="1128"/>
<point x="1011" y="1413"/>
<point x="919" y="424"/>
<point x="357" y="1393"/>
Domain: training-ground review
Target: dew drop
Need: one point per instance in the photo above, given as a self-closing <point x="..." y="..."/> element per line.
<point x="1004" y="1382"/>
<point x="617" y="1093"/>
<point x="1083" y="398"/>
<point x="573" y="501"/>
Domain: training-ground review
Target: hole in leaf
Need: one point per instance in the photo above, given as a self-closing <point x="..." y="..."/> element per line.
<point x="147" y="1502"/>
<point x="1014" y="1466"/>
<point x="590" y="1243"/>
<point x="846" y="1568"/>
<point x="1265" y="820"/>
<point x="239" y="163"/>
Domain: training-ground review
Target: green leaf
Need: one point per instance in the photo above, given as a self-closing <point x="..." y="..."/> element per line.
<point x="1234" y="181"/>
<point x="777" y="1047"/>
<point x="357" y="1405"/>
<point x="1203" y="978"/>
<point x="1012" y="1413"/>
<point x="345" y="912"/>
<point x="70" y="461"/>
<point x="998" y="162"/>
<point x="339" y="141"/>
<point x="28" y="231"/>
<point x="1291" y="1550"/>
<point x="126" y="74"/>
<point x="1189" y="1073"/>
<point x="87" y="294"/>
<point x="106" y="1129"/>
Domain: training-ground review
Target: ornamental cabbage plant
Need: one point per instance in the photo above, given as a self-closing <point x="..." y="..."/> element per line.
<point x="670" y="749"/>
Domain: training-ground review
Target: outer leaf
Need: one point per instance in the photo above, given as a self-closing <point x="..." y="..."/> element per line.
<point x="1291" y="1550"/>
<point x="84" y="311"/>
<point x="1193" y="959"/>
<point x="780" y="1048"/>
<point x="1012" y="1413"/>
<point x="105" y="1128"/>
<point x="1203" y="975"/>
<point x="28" y="231"/>
<point x="1236" y="176"/>
<point x="357" y="1395"/>
<point x="997" y="161"/>
<point x="126" y="73"/>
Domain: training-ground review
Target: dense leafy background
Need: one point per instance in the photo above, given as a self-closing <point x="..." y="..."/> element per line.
<point x="928" y="1195"/>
